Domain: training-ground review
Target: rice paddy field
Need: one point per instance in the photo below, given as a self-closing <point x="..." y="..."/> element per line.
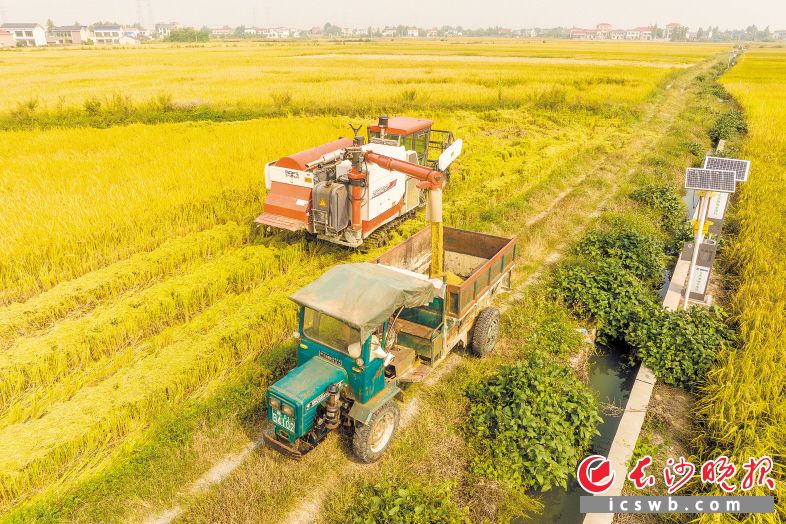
<point x="139" y="317"/>
<point x="743" y="409"/>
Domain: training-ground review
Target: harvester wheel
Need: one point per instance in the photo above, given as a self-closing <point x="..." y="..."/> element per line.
<point x="371" y="440"/>
<point x="486" y="332"/>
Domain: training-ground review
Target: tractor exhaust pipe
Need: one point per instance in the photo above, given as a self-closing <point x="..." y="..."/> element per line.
<point x="333" y="408"/>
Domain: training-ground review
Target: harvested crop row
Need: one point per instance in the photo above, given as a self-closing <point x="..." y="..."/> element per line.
<point x="41" y="361"/>
<point x="742" y="410"/>
<point x="177" y="256"/>
<point x="78" y="434"/>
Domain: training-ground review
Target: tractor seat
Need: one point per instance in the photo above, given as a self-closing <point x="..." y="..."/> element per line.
<point x="416" y="330"/>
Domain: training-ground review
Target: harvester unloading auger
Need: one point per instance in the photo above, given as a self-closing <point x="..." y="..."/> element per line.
<point x="345" y="190"/>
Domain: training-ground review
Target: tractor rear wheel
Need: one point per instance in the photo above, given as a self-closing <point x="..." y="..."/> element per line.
<point x="371" y="440"/>
<point x="486" y="332"/>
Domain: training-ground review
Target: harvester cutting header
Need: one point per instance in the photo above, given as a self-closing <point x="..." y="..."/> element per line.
<point x="344" y="190"/>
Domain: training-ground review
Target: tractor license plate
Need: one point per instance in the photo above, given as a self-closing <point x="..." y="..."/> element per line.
<point x="282" y="420"/>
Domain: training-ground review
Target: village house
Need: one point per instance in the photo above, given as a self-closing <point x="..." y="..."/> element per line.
<point x="645" y="33"/>
<point x="6" y="40"/>
<point x="432" y="33"/>
<point x="389" y="31"/>
<point x="26" y="35"/>
<point x="780" y="34"/>
<point x="632" y="34"/>
<point x="164" y="30"/>
<point x="128" y="40"/>
<point x="221" y="32"/>
<point x="604" y="31"/>
<point x="69" y="35"/>
<point x="671" y="28"/>
<point x="107" y="34"/>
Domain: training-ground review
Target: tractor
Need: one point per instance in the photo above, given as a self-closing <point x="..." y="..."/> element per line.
<point x="365" y="330"/>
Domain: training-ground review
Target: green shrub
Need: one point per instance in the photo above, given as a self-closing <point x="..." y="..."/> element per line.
<point x="716" y="90"/>
<point x="728" y="125"/>
<point x="399" y="502"/>
<point x="604" y="291"/>
<point x="529" y="424"/>
<point x="538" y="323"/>
<point x="665" y="201"/>
<point x="680" y="346"/>
<point x="92" y="105"/>
<point x="695" y="149"/>
<point x="638" y="252"/>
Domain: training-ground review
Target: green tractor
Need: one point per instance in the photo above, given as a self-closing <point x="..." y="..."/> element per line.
<point x="367" y="329"/>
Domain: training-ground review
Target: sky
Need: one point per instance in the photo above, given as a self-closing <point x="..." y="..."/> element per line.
<point x="355" y="13"/>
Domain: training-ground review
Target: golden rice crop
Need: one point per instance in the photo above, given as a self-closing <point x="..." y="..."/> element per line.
<point x="84" y="198"/>
<point x="460" y="74"/>
<point x="743" y="410"/>
<point x="125" y="249"/>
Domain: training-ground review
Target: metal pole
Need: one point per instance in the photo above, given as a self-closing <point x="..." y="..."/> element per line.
<point x="704" y="204"/>
<point x="434" y="215"/>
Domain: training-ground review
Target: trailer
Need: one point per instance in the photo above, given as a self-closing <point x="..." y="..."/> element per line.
<point x="367" y="329"/>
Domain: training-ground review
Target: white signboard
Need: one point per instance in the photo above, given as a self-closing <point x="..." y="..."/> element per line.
<point x="700" y="278"/>
<point x="717" y="207"/>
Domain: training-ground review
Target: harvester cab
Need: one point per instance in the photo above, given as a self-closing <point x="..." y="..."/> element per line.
<point x="314" y="190"/>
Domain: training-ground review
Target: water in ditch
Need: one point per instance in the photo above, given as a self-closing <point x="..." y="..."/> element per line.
<point x="611" y="380"/>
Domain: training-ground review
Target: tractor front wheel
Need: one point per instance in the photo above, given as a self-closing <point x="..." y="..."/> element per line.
<point x="371" y="440"/>
<point x="486" y="332"/>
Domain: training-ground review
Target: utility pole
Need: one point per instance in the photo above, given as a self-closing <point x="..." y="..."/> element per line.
<point x="150" y="20"/>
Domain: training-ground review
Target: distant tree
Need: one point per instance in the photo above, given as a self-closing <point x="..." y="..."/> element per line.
<point x="699" y="36"/>
<point x="679" y="33"/>
<point x="189" y="34"/>
<point x="240" y="31"/>
<point x="331" y="30"/>
<point x="50" y="25"/>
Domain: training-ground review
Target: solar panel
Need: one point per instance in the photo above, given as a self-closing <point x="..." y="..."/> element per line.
<point x="740" y="167"/>
<point x="710" y="180"/>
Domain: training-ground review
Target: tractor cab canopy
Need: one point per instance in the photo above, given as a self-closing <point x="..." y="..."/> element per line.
<point x="364" y="295"/>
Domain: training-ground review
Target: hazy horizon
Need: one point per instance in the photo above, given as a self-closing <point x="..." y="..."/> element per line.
<point x="354" y="13"/>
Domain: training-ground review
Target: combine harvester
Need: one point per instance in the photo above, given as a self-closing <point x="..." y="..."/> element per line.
<point x="318" y="191"/>
<point x="366" y="329"/>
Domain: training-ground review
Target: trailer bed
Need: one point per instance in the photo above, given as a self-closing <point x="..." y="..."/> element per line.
<point x="479" y="260"/>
